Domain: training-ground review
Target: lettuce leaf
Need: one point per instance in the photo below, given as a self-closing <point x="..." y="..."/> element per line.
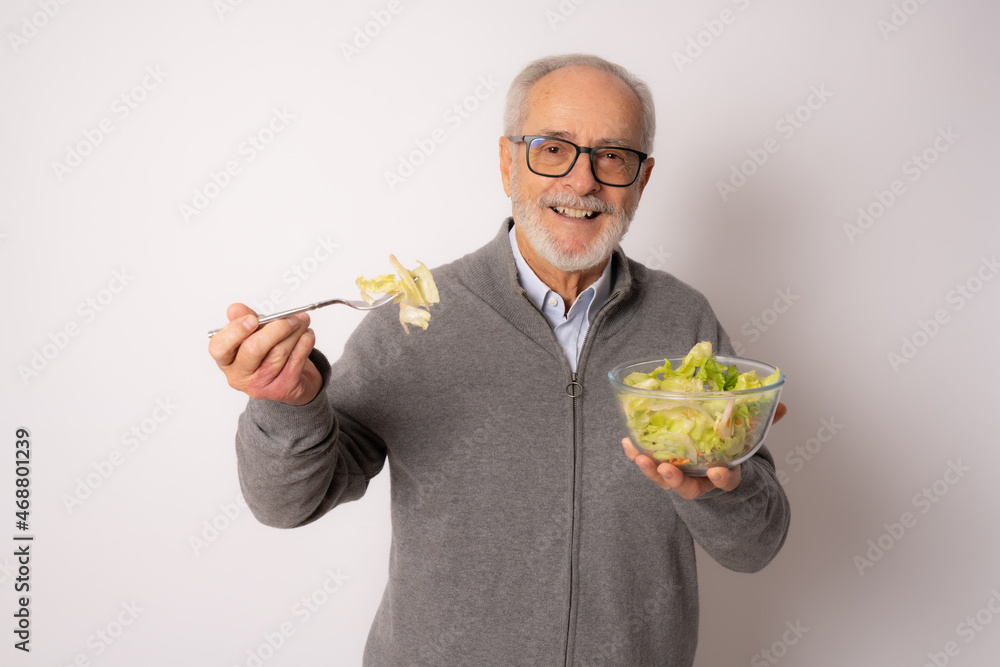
<point x="414" y="289"/>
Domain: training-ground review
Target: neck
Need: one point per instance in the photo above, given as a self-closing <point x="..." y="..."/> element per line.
<point x="567" y="284"/>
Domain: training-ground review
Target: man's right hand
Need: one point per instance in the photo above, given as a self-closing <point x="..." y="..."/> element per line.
<point x="271" y="362"/>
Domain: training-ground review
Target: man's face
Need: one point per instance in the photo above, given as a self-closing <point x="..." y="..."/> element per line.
<point x="574" y="222"/>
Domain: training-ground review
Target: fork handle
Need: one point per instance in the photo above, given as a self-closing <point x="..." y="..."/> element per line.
<point x="261" y="321"/>
<point x="293" y="311"/>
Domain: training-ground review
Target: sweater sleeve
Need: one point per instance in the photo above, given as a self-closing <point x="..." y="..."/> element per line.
<point x="296" y="463"/>
<point x="742" y="529"/>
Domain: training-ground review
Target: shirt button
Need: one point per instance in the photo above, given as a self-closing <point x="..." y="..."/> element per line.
<point x="553" y="301"/>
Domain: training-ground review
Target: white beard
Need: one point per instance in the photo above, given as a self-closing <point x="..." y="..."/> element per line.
<point x="528" y="216"/>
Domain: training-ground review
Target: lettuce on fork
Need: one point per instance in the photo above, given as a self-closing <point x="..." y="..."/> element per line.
<point x="415" y="290"/>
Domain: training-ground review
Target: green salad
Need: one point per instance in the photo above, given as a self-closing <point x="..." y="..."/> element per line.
<point x="702" y="430"/>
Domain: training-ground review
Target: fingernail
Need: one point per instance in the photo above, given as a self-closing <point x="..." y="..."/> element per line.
<point x="668" y="475"/>
<point x="715" y="476"/>
<point x="249" y="322"/>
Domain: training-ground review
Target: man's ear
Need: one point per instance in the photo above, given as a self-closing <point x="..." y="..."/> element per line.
<point x="507" y="151"/>
<point x="647" y="169"/>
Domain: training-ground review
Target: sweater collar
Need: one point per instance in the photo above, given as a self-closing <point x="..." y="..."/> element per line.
<point x="492" y="274"/>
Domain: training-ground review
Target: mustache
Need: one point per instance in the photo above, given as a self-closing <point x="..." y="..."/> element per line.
<point x="588" y="202"/>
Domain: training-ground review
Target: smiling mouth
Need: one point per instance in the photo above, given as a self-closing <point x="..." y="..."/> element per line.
<point x="575" y="213"/>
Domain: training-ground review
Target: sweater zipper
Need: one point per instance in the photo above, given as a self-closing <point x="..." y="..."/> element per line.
<point x="574" y="390"/>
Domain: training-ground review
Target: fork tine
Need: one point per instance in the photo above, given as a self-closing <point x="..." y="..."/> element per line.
<point x="378" y="303"/>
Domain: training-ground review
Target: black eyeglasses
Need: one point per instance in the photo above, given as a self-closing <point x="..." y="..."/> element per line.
<point x="611" y="165"/>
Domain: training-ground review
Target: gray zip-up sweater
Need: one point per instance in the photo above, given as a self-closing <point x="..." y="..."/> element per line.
<point x="521" y="534"/>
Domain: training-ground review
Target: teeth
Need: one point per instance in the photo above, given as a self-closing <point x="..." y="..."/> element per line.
<point x="574" y="212"/>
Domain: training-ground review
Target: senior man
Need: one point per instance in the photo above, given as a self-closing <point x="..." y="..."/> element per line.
<point x="519" y="537"/>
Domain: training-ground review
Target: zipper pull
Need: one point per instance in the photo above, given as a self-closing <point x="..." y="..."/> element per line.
<point x="574" y="389"/>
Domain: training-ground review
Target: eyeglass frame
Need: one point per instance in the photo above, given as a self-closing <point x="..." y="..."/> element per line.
<point x="579" y="149"/>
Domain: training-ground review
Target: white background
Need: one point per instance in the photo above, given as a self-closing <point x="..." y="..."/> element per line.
<point x="849" y="299"/>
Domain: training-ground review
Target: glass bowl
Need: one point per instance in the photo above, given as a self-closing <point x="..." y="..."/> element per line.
<point x="697" y="430"/>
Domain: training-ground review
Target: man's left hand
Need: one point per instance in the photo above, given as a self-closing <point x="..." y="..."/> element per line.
<point x="670" y="477"/>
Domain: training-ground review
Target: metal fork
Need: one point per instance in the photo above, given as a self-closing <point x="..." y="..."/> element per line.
<point x="357" y="305"/>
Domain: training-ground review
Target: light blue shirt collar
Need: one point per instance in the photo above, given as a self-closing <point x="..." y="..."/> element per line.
<point x="538" y="291"/>
<point x="570" y="327"/>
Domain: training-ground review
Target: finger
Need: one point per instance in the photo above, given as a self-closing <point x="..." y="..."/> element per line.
<point x="225" y="344"/>
<point x="630" y="451"/>
<point x="648" y="468"/>
<point x="287" y="380"/>
<point x="779" y="412"/>
<point x="726" y="479"/>
<point x="238" y="310"/>
<point x="646" y="465"/>
<point x="264" y="353"/>
<point x="666" y="476"/>
<point x="300" y="353"/>
<point x="686" y="487"/>
<point x="291" y="373"/>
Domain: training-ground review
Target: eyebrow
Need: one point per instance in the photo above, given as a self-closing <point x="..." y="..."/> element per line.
<point x="604" y="141"/>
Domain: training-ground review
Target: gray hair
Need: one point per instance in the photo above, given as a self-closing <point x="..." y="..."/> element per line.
<point x="516" y="110"/>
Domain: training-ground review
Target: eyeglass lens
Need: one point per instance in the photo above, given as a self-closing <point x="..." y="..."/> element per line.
<point x="554" y="157"/>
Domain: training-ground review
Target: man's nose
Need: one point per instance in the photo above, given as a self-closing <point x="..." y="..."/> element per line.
<point x="581" y="176"/>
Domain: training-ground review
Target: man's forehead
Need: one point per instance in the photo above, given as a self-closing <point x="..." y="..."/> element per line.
<point x="574" y="101"/>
